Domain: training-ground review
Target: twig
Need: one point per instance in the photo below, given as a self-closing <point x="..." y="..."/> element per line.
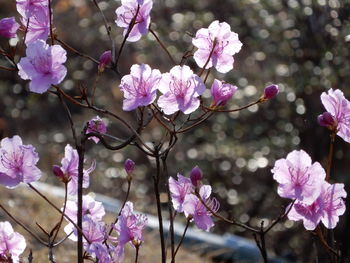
<point x="162" y="45"/>
<point x="181" y="240"/>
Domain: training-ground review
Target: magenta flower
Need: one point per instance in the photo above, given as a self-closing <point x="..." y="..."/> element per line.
<point x="196" y="176"/>
<point x="222" y="92"/>
<point x="28" y="8"/>
<point x="181" y="89"/>
<point x="38" y="27"/>
<point x="140" y="86"/>
<point x="339" y="107"/>
<point x="17" y="162"/>
<point x="102" y="252"/>
<point x="216" y="46"/>
<point x="129" y="227"/>
<point x="129" y="166"/>
<point x="43" y="66"/>
<point x="298" y="178"/>
<point x="12" y="244"/>
<point x="270" y="91"/>
<point x="194" y="208"/>
<point x="127" y="12"/>
<point x="179" y="189"/>
<point x="96" y="125"/>
<point x="8" y="27"/>
<point x="69" y="167"/>
<point x="326" y="208"/>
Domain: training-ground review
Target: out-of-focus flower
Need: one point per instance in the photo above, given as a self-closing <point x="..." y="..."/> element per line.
<point x="194" y="208"/>
<point x="129" y="227"/>
<point x="8" y="27"/>
<point x="140" y="86"/>
<point x="126" y="14"/>
<point x="38" y="26"/>
<point x="270" y="91"/>
<point x="326" y="208"/>
<point x="298" y="178"/>
<point x="129" y="166"/>
<point x="102" y="252"/>
<point x="179" y="189"/>
<point x="181" y="89"/>
<point x="339" y="107"/>
<point x="96" y="125"/>
<point x="17" y="162"/>
<point x="222" y="92"/>
<point x="196" y="176"/>
<point x="12" y="244"/>
<point x="216" y="46"/>
<point x="28" y="8"/>
<point x="43" y="66"/>
<point x="105" y="59"/>
<point x="69" y="167"/>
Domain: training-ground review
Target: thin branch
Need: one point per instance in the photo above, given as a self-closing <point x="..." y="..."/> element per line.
<point x="181" y="240"/>
<point x="162" y="45"/>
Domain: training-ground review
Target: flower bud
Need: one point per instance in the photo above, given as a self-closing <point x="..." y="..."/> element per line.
<point x="326" y="119"/>
<point x="196" y="175"/>
<point x="129" y="166"/>
<point x="105" y="59"/>
<point x="59" y="174"/>
<point x="8" y="27"/>
<point x="222" y="92"/>
<point x="270" y="91"/>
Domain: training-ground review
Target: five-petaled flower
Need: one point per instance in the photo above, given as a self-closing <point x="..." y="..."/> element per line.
<point x="12" y="244"/>
<point x="216" y="46"/>
<point x="135" y="14"/>
<point x="179" y="189"/>
<point x="28" y="8"/>
<point x="339" y="108"/>
<point x="298" y="178"/>
<point x="181" y="89"/>
<point x="140" y="86"/>
<point x="222" y="92"/>
<point x="17" y="162"/>
<point x="8" y="27"/>
<point x="43" y="66"/>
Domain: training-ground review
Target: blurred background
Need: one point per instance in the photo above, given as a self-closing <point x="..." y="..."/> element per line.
<point x="302" y="45"/>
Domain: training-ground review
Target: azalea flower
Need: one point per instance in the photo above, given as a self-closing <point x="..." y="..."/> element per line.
<point x="96" y="125"/>
<point x="181" y="89"/>
<point x="127" y="12"/>
<point x="28" y="8"/>
<point x="216" y="46"/>
<point x="17" y="162"/>
<point x="43" y="66"/>
<point x="221" y="92"/>
<point x="8" y="27"/>
<point x="339" y="108"/>
<point x="12" y="244"/>
<point x="298" y="178"/>
<point x="179" y="189"/>
<point x="140" y="86"/>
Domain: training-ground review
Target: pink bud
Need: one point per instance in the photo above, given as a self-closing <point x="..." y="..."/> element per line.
<point x="271" y="91"/>
<point x="222" y="92"/>
<point x="105" y="59"/>
<point x="58" y="172"/>
<point x="129" y="166"/>
<point x="196" y="175"/>
<point x="8" y="27"/>
<point x="326" y="119"/>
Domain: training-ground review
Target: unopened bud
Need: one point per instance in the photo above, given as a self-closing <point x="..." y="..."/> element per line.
<point x="270" y="91"/>
<point x="59" y="174"/>
<point x="196" y="175"/>
<point x="129" y="166"/>
<point x="105" y="59"/>
<point x="326" y="119"/>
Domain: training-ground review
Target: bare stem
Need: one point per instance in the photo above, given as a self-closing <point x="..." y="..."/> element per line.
<point x="163" y="46"/>
<point x="330" y="156"/>
<point x="62" y="215"/>
<point x="181" y="240"/>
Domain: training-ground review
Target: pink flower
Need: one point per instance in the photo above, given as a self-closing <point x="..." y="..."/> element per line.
<point x="17" y="162"/>
<point x="102" y="252"/>
<point x="222" y="92"/>
<point x="218" y="44"/>
<point x="96" y="125"/>
<point x="129" y="227"/>
<point x="181" y="89"/>
<point x="8" y="27"/>
<point x="127" y="12"/>
<point x="90" y="207"/>
<point x="339" y="107"/>
<point x="326" y="208"/>
<point x="298" y="178"/>
<point x="69" y="168"/>
<point x="38" y="27"/>
<point x="194" y="207"/>
<point x="43" y="66"/>
<point x="179" y="189"/>
<point x="140" y="86"/>
<point x="11" y="243"/>
<point x="28" y="8"/>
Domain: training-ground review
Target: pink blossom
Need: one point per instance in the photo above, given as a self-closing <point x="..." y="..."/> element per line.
<point x="17" y="162"/>
<point x="129" y="227"/>
<point x="140" y="86"/>
<point x="38" y="26"/>
<point x="326" y="208"/>
<point x="127" y="12"/>
<point x="102" y="252"/>
<point x="179" y="189"/>
<point x="298" y="178"/>
<point x="28" y="8"/>
<point x="90" y="207"/>
<point x="11" y="243"/>
<point x="8" y="27"/>
<point x="43" y="66"/>
<point x="69" y="167"/>
<point x="181" y="89"/>
<point x="194" y="208"/>
<point x="222" y="92"/>
<point x="96" y="125"/>
<point x="339" y="107"/>
<point x="216" y="45"/>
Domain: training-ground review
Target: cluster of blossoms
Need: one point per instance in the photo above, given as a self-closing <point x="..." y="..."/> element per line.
<point x="184" y="195"/>
<point x="315" y="199"/>
<point x="12" y="244"/>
